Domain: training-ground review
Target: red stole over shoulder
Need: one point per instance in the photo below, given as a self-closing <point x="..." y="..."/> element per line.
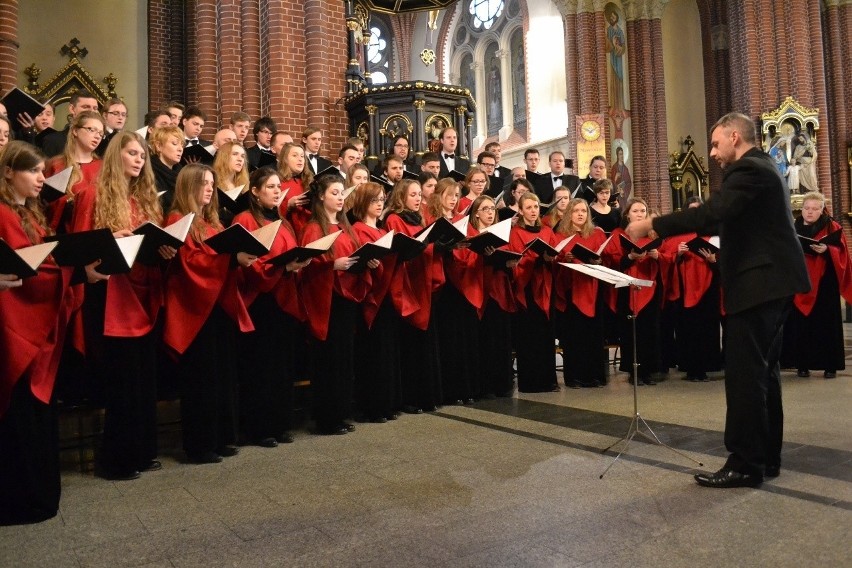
<point x="581" y="288"/>
<point x="414" y="290"/>
<point x="532" y="270"/>
<point x="33" y="318"/>
<point x="817" y="264"/>
<point x="694" y="272"/>
<point x="645" y="268"/>
<point x="55" y="210"/>
<point x="319" y="280"/>
<point x="262" y="278"/>
<point x="197" y="280"/>
<point x="298" y="216"/>
<point x="133" y="300"/>
<point x="390" y="275"/>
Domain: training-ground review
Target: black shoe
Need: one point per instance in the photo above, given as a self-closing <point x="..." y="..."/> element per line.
<point x="573" y="385"/>
<point x="408" y="409"/>
<point x="803" y="373"/>
<point x="378" y="420"/>
<point x="348" y="426"/>
<point x="457" y="402"/>
<point x="333" y="431"/>
<point x="469" y="401"/>
<point x="267" y="443"/>
<point x="228" y="451"/>
<point x="727" y="478"/>
<point x="829" y="375"/>
<point x="772" y="471"/>
<point x="112" y="475"/>
<point x="153" y="465"/>
<point x="392" y="416"/>
<point x="284" y="438"/>
<point x="208" y="457"/>
<point x="647" y="381"/>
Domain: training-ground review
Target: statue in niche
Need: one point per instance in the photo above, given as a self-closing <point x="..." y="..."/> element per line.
<point x="616" y="46"/>
<point x="804" y="162"/>
<point x="519" y="82"/>
<point x="495" y="104"/>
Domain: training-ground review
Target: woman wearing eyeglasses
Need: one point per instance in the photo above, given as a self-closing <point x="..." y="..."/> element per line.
<point x="84" y="136"/>
<point x="475" y="183"/>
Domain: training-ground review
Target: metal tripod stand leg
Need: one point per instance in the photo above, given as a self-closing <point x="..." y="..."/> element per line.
<point x="637" y="420"/>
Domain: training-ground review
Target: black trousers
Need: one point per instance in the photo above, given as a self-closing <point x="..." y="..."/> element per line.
<point x="754" y="425"/>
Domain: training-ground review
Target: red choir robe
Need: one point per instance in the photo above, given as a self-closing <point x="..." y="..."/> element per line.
<point x="298" y="216"/>
<point x="688" y="279"/>
<point x="581" y="289"/>
<point x="531" y="270"/>
<point x="319" y="280"/>
<point x="817" y="264"/>
<point x="197" y="280"/>
<point x="424" y="275"/>
<point x="55" y="210"/>
<point x="33" y="318"/>
<point x="262" y="278"/>
<point x="134" y="299"/>
<point x="645" y="268"/>
<point x="467" y="273"/>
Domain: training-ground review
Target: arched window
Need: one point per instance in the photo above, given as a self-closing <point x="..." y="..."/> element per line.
<point x="488" y="58"/>
<point x="378" y="52"/>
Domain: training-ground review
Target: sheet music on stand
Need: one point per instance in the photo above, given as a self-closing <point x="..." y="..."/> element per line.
<point x="621" y="280"/>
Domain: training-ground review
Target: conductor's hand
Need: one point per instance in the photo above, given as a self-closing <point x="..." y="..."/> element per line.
<point x="638" y="229"/>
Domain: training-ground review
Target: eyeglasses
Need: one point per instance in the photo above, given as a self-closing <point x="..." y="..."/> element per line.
<point x="375" y="200"/>
<point x="478" y="181"/>
<point x="488" y="209"/>
<point x="117" y="113"/>
<point x="400" y="145"/>
<point x="93" y="130"/>
<point x="488" y="165"/>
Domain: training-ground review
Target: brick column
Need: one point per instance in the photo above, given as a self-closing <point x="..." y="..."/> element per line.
<point x="573" y="97"/>
<point x="717" y="84"/>
<point x="648" y="101"/>
<point x="229" y="52"/>
<point x="325" y="64"/>
<point x="250" y="83"/>
<point x="159" y="56"/>
<point x="8" y="45"/>
<point x="283" y="65"/>
<point x="206" y="64"/>
<point x="838" y="67"/>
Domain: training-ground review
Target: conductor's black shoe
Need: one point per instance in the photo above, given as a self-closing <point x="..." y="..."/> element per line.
<point x="829" y="374"/>
<point x="727" y="478"/>
<point x="803" y="373"/>
<point x="772" y="471"/>
<point x="647" y="381"/>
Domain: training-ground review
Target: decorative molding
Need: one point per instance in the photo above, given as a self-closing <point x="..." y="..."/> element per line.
<point x="836" y="3"/>
<point x="644" y="9"/>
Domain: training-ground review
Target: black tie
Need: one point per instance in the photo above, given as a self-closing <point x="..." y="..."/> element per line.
<point x="311" y="156"/>
<point x="449" y="156"/>
<point x="557" y="178"/>
<point x="193" y="142"/>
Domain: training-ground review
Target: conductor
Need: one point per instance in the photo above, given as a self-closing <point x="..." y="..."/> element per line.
<point x="761" y="266"/>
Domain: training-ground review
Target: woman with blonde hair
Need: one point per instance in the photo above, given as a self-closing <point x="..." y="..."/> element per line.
<point x="84" y="135"/>
<point x="443" y="202"/>
<point x="295" y="177"/>
<point x="120" y="312"/>
<point x="204" y="313"/>
<point x="576" y="320"/>
<point x="167" y="148"/>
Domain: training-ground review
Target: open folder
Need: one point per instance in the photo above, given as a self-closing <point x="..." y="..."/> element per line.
<point x="310" y="250"/>
<point x="23" y="262"/>
<point x="236" y="239"/>
<point x="155" y="236"/>
<point x="376" y="250"/>
<point x="79" y="249"/>
<point x="444" y="232"/>
<point x="494" y="236"/>
<point x="56" y="185"/>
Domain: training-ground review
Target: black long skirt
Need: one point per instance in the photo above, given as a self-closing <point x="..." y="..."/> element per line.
<point x="421" y="368"/>
<point x="29" y="459"/>
<point x="377" y="364"/>
<point x="817" y="339"/>
<point x="266" y="371"/>
<point x="208" y="371"/>
<point x="583" y="356"/>
<point x="534" y="348"/>
<point x="699" y="335"/>
<point x="332" y="367"/>
<point x="457" y="326"/>
<point x="495" y="351"/>
<point x="647" y="335"/>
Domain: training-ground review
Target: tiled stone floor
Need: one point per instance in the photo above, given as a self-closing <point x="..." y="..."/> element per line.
<point x="512" y="482"/>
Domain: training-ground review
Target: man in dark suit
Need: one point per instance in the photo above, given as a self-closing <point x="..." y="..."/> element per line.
<point x="263" y="130"/>
<point x="312" y="142"/>
<point x="449" y="160"/>
<point x="761" y="266"/>
<point x="501" y="172"/>
<point x="487" y="162"/>
<point x="547" y="183"/>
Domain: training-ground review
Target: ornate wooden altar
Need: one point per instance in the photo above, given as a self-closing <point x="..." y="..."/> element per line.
<point x="418" y="110"/>
<point x="687" y="175"/>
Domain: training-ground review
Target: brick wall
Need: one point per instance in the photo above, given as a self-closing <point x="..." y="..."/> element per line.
<point x="251" y="83"/>
<point x="716" y="71"/>
<point x="838" y="61"/>
<point x="8" y="45"/>
<point x="648" y="101"/>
